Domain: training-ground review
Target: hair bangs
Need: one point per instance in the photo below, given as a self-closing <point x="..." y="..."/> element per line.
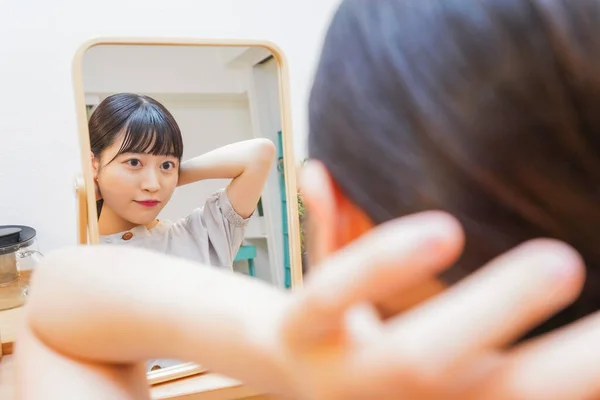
<point x="152" y="130"/>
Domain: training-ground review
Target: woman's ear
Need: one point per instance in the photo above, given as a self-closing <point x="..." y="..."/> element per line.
<point x="95" y="165"/>
<point x="332" y="220"/>
<point x="95" y="169"/>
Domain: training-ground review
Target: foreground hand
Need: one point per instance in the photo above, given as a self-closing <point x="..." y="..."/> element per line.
<point x="334" y="346"/>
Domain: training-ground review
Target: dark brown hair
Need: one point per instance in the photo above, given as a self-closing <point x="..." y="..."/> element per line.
<point x="147" y="126"/>
<point x="487" y="109"/>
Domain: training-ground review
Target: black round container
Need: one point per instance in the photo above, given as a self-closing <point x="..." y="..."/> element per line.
<point x="15" y="237"/>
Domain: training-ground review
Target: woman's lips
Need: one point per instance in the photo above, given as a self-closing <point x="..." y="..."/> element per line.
<point x="148" y="203"/>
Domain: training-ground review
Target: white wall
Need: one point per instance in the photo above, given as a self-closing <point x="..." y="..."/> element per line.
<point x="39" y="149"/>
<point x="159" y="69"/>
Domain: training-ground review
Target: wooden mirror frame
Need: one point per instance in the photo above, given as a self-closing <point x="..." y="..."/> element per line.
<point x="88" y="233"/>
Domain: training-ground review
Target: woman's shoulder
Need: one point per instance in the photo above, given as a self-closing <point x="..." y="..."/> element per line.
<point x="215" y="214"/>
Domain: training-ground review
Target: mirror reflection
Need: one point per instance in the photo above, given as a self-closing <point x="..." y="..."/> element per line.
<point x="188" y="155"/>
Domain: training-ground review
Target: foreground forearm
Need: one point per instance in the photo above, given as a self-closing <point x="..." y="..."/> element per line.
<point x="122" y="305"/>
<point x="42" y="373"/>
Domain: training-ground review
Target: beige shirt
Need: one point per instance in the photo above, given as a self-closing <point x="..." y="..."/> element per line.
<point x="210" y="235"/>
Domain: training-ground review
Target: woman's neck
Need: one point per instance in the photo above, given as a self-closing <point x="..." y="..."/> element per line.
<point x="110" y="223"/>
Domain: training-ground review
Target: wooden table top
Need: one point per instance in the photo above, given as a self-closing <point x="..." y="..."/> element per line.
<point x="202" y="387"/>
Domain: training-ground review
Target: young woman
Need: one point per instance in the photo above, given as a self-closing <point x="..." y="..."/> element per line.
<point x="136" y="151"/>
<point x="136" y="156"/>
<point x="486" y="109"/>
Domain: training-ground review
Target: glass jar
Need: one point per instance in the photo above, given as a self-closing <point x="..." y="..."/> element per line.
<point x="18" y="258"/>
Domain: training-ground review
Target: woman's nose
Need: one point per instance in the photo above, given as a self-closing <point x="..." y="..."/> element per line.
<point x="151" y="181"/>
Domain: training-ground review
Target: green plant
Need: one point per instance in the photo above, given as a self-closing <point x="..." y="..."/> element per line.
<point x="301" y="214"/>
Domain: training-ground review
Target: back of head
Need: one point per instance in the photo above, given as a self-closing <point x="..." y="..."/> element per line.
<point x="486" y="109"/>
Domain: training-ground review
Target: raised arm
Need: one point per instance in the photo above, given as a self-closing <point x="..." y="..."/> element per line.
<point x="247" y="163"/>
<point x="108" y="308"/>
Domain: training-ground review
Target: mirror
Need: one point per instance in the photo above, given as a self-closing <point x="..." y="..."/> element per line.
<point x="133" y="99"/>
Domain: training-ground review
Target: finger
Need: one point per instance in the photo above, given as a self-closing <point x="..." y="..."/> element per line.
<point x="560" y="365"/>
<point x="492" y="307"/>
<point x="389" y="259"/>
<point x="394" y="305"/>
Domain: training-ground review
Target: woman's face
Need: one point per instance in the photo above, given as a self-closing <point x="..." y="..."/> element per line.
<point x="135" y="186"/>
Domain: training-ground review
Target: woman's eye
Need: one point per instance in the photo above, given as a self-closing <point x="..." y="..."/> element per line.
<point x="134" y="163"/>
<point x="168" y="165"/>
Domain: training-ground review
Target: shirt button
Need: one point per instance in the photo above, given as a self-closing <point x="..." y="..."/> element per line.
<point x="127" y="236"/>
